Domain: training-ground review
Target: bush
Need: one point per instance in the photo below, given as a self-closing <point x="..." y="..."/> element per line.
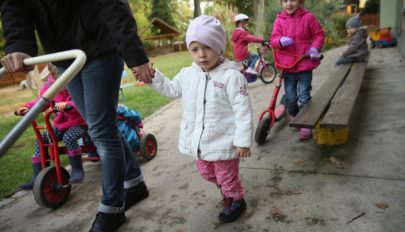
<point x="335" y="30"/>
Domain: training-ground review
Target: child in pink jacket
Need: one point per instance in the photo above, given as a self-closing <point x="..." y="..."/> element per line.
<point x="69" y="126"/>
<point x="296" y="31"/>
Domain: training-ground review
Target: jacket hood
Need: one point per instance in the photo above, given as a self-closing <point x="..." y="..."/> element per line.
<point x="299" y="12"/>
<point x="361" y="32"/>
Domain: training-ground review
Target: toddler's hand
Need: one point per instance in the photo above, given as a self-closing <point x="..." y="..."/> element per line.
<point x="21" y="111"/>
<point x="243" y="151"/>
<point x="60" y="106"/>
<point x="314" y="54"/>
<point x="144" y="72"/>
<point x="286" y="41"/>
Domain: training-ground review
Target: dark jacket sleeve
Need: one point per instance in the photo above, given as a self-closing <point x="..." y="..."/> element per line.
<point x="18" y="28"/>
<point x="356" y="42"/>
<point x="121" y="21"/>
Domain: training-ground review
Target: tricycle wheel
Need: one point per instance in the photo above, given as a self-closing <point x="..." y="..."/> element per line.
<point x="148" y="146"/>
<point x="262" y="130"/>
<point x="48" y="192"/>
<point x="268" y="73"/>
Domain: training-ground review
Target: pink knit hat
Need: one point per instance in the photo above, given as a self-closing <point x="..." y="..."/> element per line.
<point x="207" y="30"/>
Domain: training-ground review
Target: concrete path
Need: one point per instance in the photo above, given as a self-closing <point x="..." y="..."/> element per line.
<point x="290" y="185"/>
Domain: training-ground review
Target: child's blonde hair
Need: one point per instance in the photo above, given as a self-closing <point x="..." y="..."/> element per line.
<point x="53" y="70"/>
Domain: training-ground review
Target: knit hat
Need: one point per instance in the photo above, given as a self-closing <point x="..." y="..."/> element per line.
<point x="353" y="22"/>
<point x="207" y="30"/>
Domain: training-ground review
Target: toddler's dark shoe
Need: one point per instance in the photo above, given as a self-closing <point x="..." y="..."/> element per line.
<point x="106" y="222"/>
<point x="135" y="194"/>
<point x="232" y="210"/>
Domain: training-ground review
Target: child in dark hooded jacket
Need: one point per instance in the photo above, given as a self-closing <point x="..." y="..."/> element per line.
<point x="357" y="50"/>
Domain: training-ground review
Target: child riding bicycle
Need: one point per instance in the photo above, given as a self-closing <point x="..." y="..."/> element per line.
<point x="241" y="39"/>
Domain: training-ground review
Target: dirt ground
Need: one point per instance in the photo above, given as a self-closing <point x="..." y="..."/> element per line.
<point x="12" y="97"/>
<point x="290" y="185"/>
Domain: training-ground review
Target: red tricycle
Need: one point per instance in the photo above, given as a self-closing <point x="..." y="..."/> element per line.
<point x="52" y="187"/>
<point x="268" y="117"/>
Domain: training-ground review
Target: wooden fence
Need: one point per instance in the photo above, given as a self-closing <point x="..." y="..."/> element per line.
<point x="15" y="78"/>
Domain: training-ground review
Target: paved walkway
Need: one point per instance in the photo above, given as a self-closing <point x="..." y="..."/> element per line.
<point x="290" y="185"/>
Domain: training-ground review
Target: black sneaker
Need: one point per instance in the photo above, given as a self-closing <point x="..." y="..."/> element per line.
<point x="135" y="194"/>
<point x="106" y="222"/>
<point x="232" y="210"/>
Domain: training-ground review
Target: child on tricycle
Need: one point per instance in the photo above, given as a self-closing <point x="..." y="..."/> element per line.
<point x="69" y="126"/>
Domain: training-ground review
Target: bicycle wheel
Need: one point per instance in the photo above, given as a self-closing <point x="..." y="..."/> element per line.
<point x="262" y="130"/>
<point x="268" y="73"/>
<point x="47" y="192"/>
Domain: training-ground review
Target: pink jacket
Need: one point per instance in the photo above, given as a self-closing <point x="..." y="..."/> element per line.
<point x="240" y="39"/>
<point x="305" y="30"/>
<point x="62" y="120"/>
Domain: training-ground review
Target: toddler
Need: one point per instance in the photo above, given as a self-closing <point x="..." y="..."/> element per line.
<point x="357" y="50"/>
<point x="69" y="126"/>
<point x="216" y="127"/>
<point x="241" y="39"/>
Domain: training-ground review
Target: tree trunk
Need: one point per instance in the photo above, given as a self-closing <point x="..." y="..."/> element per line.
<point x="258" y="13"/>
<point x="197" y="8"/>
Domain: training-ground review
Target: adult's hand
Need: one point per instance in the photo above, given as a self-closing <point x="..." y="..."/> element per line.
<point x="13" y="62"/>
<point x="144" y="72"/>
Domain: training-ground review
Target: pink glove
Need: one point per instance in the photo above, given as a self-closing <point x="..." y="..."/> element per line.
<point x="286" y="41"/>
<point x="314" y="54"/>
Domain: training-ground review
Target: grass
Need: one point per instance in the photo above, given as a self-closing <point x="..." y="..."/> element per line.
<point x="15" y="165"/>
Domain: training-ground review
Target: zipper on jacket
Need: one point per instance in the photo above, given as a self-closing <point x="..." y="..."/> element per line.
<point x="207" y="77"/>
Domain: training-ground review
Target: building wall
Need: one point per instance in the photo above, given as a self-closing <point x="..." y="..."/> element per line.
<point x="401" y="26"/>
<point x="393" y="15"/>
<point x="388" y="10"/>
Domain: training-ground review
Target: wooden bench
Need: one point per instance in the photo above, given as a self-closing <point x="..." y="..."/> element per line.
<point x="331" y="106"/>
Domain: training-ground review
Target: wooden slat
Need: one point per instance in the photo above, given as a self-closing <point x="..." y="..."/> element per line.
<point x="338" y="114"/>
<point x="311" y="113"/>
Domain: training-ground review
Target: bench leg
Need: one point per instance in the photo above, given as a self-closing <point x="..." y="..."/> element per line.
<point x="331" y="136"/>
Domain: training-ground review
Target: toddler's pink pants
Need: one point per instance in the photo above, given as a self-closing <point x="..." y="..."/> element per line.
<point x="223" y="173"/>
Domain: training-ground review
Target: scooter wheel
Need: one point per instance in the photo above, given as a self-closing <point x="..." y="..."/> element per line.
<point x="48" y="192"/>
<point x="148" y="146"/>
<point x="262" y="130"/>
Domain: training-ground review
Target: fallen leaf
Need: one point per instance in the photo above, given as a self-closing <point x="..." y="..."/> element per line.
<point x="382" y="205"/>
<point x="334" y="160"/>
<point x="299" y="162"/>
<point x="275" y="211"/>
